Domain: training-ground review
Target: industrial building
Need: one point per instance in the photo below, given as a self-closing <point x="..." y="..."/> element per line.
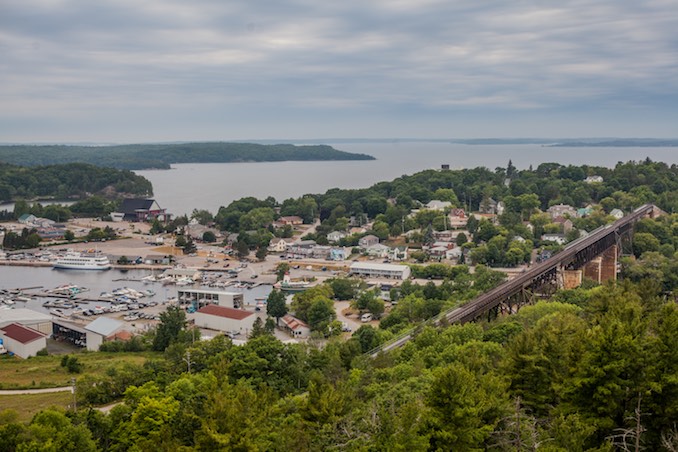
<point x="27" y="317"/>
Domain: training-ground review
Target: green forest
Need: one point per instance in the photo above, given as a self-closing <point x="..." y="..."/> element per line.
<point x="160" y="156"/>
<point x="592" y="369"/>
<point x="73" y="180"/>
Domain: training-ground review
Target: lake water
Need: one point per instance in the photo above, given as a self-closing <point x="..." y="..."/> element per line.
<point x="210" y="185"/>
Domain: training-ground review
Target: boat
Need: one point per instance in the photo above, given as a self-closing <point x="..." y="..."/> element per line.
<point x="289" y="286"/>
<point x="83" y="261"/>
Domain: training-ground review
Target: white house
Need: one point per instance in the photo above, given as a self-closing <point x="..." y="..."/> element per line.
<point x="438" y="205"/>
<point x="221" y="318"/>
<point x="592" y="179"/>
<point x="278" y="245"/>
<point x="378" y="250"/>
<point x="100" y="330"/>
<point x="295" y="327"/>
<point x="618" y="214"/>
<point x="557" y="238"/>
<point x="24" y="342"/>
<point x="398" y="253"/>
<point x="335" y="236"/>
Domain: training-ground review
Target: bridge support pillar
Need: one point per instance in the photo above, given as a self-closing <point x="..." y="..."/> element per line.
<point x="572" y="279"/>
<point x="604" y="267"/>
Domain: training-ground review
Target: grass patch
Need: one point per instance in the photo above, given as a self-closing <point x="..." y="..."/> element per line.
<point x="28" y="405"/>
<point x="46" y="371"/>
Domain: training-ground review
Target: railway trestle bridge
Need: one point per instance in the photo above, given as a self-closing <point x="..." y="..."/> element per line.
<point x="594" y="256"/>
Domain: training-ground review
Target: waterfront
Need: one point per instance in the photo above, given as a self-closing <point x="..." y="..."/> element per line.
<point x="210" y="185"/>
<point x="19" y="277"/>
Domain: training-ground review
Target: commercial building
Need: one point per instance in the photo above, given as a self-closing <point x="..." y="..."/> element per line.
<point x="100" y="330"/>
<point x="221" y="318"/>
<point x="22" y="341"/>
<point x="200" y="298"/>
<point x="295" y="327"/>
<point x="373" y="270"/>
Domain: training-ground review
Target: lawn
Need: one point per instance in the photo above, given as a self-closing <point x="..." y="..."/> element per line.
<point x="27" y="405"/>
<point x="46" y="371"/>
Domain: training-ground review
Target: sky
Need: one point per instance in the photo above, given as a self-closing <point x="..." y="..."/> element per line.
<point x="125" y="71"/>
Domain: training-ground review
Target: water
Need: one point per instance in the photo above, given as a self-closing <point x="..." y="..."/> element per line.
<point x="210" y="185"/>
<point x="15" y="277"/>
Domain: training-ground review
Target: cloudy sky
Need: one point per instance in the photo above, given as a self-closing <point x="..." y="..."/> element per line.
<point x="163" y="70"/>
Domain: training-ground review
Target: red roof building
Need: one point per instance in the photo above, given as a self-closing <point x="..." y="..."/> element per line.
<point x="22" y="341"/>
<point x="21" y="333"/>
<point x="223" y="311"/>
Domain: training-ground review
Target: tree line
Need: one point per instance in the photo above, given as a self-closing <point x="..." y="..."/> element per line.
<point x="147" y="156"/>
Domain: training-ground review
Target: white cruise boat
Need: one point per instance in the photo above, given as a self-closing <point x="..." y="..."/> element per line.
<point x="83" y="261"/>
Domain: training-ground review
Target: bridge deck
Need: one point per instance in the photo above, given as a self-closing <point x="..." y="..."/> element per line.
<point x="492" y="299"/>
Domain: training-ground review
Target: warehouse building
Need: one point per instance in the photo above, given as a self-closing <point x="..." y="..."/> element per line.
<point x="27" y="317"/>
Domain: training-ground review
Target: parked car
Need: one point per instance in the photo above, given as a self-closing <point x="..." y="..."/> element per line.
<point x="366" y="318"/>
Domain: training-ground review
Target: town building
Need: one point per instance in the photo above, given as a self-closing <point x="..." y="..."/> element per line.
<point x="23" y="341"/>
<point x="102" y="329"/>
<point x="436" y="204"/>
<point x="221" y="318"/>
<point x="593" y="179"/>
<point x="560" y="239"/>
<point x="618" y="214"/>
<point x="375" y="270"/>
<point x="301" y="249"/>
<point x="335" y="236"/>
<point x="27" y="317"/>
<point x="377" y="250"/>
<point x="140" y="209"/>
<point x="278" y="245"/>
<point x="368" y="241"/>
<point x="291" y="220"/>
<point x="457" y="219"/>
<point x="565" y="223"/>
<point x="295" y="327"/>
<point x="561" y="210"/>
<point x="199" y="298"/>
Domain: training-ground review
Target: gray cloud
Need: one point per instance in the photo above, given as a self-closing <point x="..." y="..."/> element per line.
<point x="156" y="70"/>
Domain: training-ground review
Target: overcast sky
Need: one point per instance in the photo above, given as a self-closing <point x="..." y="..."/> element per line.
<point x="163" y="70"/>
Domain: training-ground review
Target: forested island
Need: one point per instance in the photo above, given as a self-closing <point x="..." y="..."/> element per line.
<point x="161" y="156"/>
<point x="69" y="181"/>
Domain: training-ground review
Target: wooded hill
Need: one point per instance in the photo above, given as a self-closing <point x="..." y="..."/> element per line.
<point x="160" y="156"/>
<point x="74" y="180"/>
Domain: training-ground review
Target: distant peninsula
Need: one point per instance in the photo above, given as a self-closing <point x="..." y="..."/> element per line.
<point x="619" y="142"/>
<point x="161" y="156"/>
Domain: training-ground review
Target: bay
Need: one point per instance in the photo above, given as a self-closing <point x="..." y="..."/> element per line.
<point x="210" y="185"/>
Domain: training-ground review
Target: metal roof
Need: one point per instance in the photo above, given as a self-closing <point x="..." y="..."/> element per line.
<point x="104" y="326"/>
<point x="22" y="315"/>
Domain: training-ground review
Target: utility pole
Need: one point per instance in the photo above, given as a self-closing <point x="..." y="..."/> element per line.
<point x="75" y="399"/>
